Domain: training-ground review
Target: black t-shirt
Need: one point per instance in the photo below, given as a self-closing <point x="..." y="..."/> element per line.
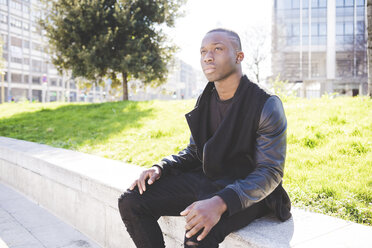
<point x="217" y="111"/>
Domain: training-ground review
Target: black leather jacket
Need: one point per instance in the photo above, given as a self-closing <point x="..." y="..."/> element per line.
<point x="270" y="156"/>
<point x="269" y="159"/>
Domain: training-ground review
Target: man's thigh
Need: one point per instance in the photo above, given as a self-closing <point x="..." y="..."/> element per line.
<point x="171" y="194"/>
<point x="228" y="224"/>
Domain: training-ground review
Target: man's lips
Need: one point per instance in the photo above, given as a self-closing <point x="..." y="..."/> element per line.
<point x="209" y="70"/>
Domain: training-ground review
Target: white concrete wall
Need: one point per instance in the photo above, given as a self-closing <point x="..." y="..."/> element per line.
<point x="83" y="190"/>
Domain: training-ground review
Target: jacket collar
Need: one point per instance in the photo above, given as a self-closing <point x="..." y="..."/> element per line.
<point x="204" y="97"/>
<point x="197" y="119"/>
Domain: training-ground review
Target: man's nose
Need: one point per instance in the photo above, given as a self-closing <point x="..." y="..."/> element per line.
<point x="208" y="57"/>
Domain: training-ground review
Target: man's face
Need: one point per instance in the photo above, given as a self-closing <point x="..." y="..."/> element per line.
<point x="218" y="56"/>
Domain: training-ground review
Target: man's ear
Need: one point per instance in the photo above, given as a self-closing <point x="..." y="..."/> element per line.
<point x="239" y="57"/>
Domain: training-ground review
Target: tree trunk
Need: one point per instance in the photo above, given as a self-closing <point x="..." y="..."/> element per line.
<point x="369" y="50"/>
<point x="125" y="86"/>
<point x="258" y="73"/>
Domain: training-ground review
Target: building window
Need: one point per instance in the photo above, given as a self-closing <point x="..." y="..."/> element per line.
<point x="14" y="41"/>
<point x="26" y="9"/>
<point x="36" y="29"/>
<point x="52" y="96"/>
<point x="314" y="70"/>
<point x="16" y="60"/>
<point x="35" y="80"/>
<point x="36" y="65"/>
<point x="26" y="44"/>
<point x="25" y="79"/>
<point x="322" y="3"/>
<point x="296" y="4"/>
<point x="344" y="68"/>
<point x="36" y="15"/>
<point x="360" y="2"/>
<point x="322" y="29"/>
<point x="3" y="2"/>
<point x="314" y="29"/>
<point x="348" y="28"/>
<point x="349" y="3"/>
<point x="293" y="34"/>
<point x="284" y="4"/>
<point x="16" y="78"/>
<point x="3" y="18"/>
<point x="45" y="67"/>
<point x="319" y="29"/>
<point x="314" y="3"/>
<point x="53" y="82"/>
<point x="317" y="4"/>
<point x="361" y="67"/>
<point x="15" y="23"/>
<point x="344" y="33"/>
<point x="360" y="27"/>
<point x="36" y="46"/>
<point x="305" y="29"/>
<point x="26" y="26"/>
<point x="340" y="3"/>
<point x="15" y="5"/>
<point x="26" y="61"/>
<point x="339" y="28"/>
<point x="305" y="4"/>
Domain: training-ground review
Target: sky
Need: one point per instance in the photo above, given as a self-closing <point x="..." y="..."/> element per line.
<point x="204" y="15"/>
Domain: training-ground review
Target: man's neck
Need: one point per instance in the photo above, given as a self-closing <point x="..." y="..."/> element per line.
<point x="227" y="87"/>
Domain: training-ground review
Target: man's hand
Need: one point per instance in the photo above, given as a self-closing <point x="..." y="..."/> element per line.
<point x="152" y="174"/>
<point x="203" y="214"/>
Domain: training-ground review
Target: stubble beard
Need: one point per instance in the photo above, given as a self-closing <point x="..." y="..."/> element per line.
<point x="219" y="77"/>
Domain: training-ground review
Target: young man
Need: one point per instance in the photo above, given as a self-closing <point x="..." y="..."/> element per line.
<point x="230" y="174"/>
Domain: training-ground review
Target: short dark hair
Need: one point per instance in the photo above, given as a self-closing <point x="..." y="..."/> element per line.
<point x="231" y="33"/>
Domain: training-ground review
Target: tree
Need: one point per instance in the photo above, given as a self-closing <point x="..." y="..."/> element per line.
<point x="257" y="50"/>
<point x="103" y="38"/>
<point x="369" y="25"/>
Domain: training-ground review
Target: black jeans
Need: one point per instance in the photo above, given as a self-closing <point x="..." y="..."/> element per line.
<point x="168" y="197"/>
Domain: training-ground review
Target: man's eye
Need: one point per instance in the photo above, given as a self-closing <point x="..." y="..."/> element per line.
<point x="202" y="52"/>
<point x="218" y="49"/>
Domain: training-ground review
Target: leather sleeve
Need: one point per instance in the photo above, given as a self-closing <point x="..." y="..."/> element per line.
<point x="185" y="160"/>
<point x="269" y="156"/>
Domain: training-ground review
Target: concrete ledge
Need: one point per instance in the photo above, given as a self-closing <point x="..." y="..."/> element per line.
<point x="83" y="189"/>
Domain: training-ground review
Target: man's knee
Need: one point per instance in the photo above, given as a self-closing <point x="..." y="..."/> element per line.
<point x="191" y="244"/>
<point x="213" y="239"/>
<point x="128" y="204"/>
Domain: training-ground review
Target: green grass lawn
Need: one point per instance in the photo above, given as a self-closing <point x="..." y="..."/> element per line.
<point x="329" y="155"/>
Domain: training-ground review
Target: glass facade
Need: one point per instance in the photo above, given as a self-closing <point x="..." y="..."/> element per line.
<point x="289" y="12"/>
<point x="24" y="51"/>
<point x="300" y="41"/>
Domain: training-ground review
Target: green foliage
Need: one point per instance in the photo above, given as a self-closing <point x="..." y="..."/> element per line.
<point x="102" y="38"/>
<point x="279" y="87"/>
<point x="137" y="132"/>
<point x="329" y="152"/>
<point x="328" y="166"/>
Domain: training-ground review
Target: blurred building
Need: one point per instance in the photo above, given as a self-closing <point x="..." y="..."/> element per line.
<point x="29" y="74"/>
<point x="320" y="46"/>
<point x="183" y="82"/>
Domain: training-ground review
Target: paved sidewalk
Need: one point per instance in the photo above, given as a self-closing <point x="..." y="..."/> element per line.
<point x="24" y="224"/>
